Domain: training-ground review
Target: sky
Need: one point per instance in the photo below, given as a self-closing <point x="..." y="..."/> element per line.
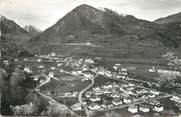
<point x="44" y="13"/>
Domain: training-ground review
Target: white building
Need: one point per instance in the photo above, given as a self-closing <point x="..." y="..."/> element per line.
<point x="95" y="99"/>
<point x="144" y="109"/>
<point x="39" y="60"/>
<point x="53" y="68"/>
<point x="127" y="100"/>
<point x="158" y="108"/>
<point x="51" y="74"/>
<point x="53" y="54"/>
<point x="152" y="69"/>
<point x="88" y="75"/>
<point x="76" y="107"/>
<point x="41" y="66"/>
<point x="154" y="92"/>
<point x="176" y="99"/>
<point x="28" y="70"/>
<point x="123" y="69"/>
<point x="133" y="109"/>
<point x="94" y="107"/>
<point x="117" y="102"/>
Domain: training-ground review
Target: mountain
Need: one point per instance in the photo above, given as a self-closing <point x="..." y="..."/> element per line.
<point x="12" y="31"/>
<point x="32" y="30"/>
<point x="87" y="31"/>
<point x="172" y="23"/>
<point x="169" y="19"/>
<point x="12" y="36"/>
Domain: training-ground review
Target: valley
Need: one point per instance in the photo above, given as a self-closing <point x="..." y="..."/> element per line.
<point x="92" y="63"/>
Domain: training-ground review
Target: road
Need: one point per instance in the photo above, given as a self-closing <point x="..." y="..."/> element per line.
<point x="83" y="91"/>
<point x="64" y="107"/>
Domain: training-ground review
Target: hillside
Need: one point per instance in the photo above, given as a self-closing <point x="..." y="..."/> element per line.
<point x="172" y="23"/>
<point x="12" y="31"/>
<point x="12" y="35"/>
<point x="169" y="19"/>
<point x="33" y="31"/>
<point x="86" y="31"/>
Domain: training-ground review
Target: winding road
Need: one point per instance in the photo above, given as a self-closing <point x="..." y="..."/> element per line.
<point x="83" y="91"/>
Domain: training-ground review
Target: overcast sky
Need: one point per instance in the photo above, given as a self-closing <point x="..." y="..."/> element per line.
<point x="44" y="13"/>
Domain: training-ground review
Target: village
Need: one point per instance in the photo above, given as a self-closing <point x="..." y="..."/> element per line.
<point x="115" y="93"/>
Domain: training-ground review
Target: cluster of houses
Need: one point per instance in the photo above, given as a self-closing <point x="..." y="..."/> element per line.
<point x="114" y="94"/>
<point x="119" y="73"/>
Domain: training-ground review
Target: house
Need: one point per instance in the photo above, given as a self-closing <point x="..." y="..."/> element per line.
<point x="88" y="94"/>
<point x="53" y="68"/>
<point x="96" y="89"/>
<point x="151" y="95"/>
<point x="95" y="99"/>
<point x="39" y="60"/>
<point x="35" y="78"/>
<point x="25" y="59"/>
<point x="115" y="68"/>
<point x="144" y="108"/>
<point x="53" y="54"/>
<point x="76" y="107"/>
<point x="158" y="108"/>
<point x="61" y="70"/>
<point x="123" y="69"/>
<point x="154" y="92"/>
<point x="67" y="94"/>
<point x="154" y="102"/>
<point x="133" y="109"/>
<point x="59" y="64"/>
<point x="107" y="86"/>
<point x="117" y="102"/>
<point x="41" y="66"/>
<point x="126" y="100"/>
<point x="110" y="105"/>
<point x="152" y="69"/>
<point x="103" y="106"/>
<point x="124" y="73"/>
<point x="28" y="70"/>
<point x="142" y="91"/>
<point x="176" y="99"/>
<point x="79" y="72"/>
<point x="94" y="106"/>
<point x="74" y="73"/>
<point x="98" y="93"/>
<point x="87" y="75"/>
<point x="89" y="61"/>
<point x="74" y="94"/>
<point x="15" y="60"/>
<point x="51" y="74"/>
<point x="106" y="92"/>
<point x="115" y="95"/>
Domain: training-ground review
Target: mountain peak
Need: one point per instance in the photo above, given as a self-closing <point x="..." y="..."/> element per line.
<point x="84" y="7"/>
<point x="32" y="30"/>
